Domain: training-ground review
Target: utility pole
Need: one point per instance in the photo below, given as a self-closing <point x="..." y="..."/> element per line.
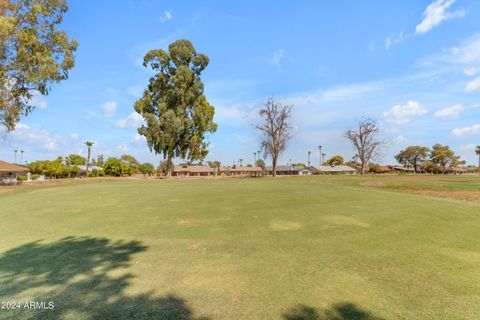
<point x="320" y="149"/>
<point x="308" y="157"/>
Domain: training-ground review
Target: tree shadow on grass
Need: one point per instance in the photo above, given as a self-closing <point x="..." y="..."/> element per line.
<point x="85" y="278"/>
<point x="338" y="311"/>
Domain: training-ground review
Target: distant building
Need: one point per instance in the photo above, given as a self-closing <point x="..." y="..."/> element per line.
<point x="337" y="169"/>
<point x="192" y="171"/>
<point x="9" y="172"/>
<point x="292" y="170"/>
<point x="241" y="171"/>
<point x="83" y="168"/>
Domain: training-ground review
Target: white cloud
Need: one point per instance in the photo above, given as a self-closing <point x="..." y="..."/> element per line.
<point x="75" y="136"/>
<point x="470" y="71"/>
<point x="109" y="109"/>
<point x="436" y="13"/>
<point x="451" y="112"/>
<point x="401" y="114"/>
<point x="167" y="15"/>
<point x="394" y="39"/>
<point x="473" y="85"/>
<point x="122" y="147"/>
<point x="134" y="120"/>
<point x="37" y="138"/>
<point x="276" y="58"/>
<point x="139" y="138"/>
<point x="468" y="148"/>
<point x="466" y="131"/>
<point x="467" y="52"/>
<point x="37" y="100"/>
<point x="399" y="140"/>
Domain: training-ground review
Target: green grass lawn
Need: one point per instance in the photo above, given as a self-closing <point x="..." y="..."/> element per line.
<point x="303" y="248"/>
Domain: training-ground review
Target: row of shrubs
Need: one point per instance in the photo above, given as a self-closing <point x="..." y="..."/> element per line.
<point x="112" y="167"/>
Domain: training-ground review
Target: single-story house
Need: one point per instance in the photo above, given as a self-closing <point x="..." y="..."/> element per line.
<point x="83" y="168"/>
<point x="337" y="169"/>
<point x="192" y="171"/>
<point x="241" y="171"/>
<point x="292" y="170"/>
<point x="9" y="171"/>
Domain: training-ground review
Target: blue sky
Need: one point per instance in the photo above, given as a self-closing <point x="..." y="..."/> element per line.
<point x="414" y="66"/>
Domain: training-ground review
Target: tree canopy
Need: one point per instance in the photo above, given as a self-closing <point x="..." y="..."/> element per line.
<point x="275" y="129"/>
<point x="75" y="159"/>
<point x="365" y="141"/>
<point x="176" y="112"/>
<point x="336" y="160"/>
<point x="34" y="53"/>
<point x="414" y="156"/>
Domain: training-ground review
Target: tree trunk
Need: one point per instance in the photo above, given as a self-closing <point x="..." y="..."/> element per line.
<point x="274" y="166"/>
<point x="88" y="162"/>
<point x="363" y="168"/>
<point x="169" y="165"/>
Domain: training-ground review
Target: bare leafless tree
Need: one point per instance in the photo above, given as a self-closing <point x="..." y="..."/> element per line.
<point x="275" y="128"/>
<point x="365" y="141"/>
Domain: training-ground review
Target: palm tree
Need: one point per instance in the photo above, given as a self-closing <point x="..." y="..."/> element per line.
<point x="21" y="155"/>
<point x="15" y="155"/>
<point x="89" y="144"/>
<point x="477" y="151"/>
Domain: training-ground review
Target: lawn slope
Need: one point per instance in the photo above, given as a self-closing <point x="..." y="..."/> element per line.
<point x="290" y="248"/>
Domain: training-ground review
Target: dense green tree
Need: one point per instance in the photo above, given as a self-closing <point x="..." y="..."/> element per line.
<point x="75" y="159"/>
<point x="34" y="54"/>
<point x="443" y="157"/>
<point x="413" y="156"/>
<point x="113" y="167"/>
<point x="131" y="162"/>
<point x="176" y="112"/>
<point x="260" y="163"/>
<point x="336" y="160"/>
<point x="146" y="168"/>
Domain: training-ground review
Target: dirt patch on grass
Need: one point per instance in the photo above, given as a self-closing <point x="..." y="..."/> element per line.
<point x="283" y="225"/>
<point x="471" y="196"/>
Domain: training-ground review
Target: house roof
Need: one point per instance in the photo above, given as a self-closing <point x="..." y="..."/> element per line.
<point x="10" y="167"/>
<point x="288" y="168"/>
<point x="195" y="168"/>
<point x="336" y="169"/>
<point x="242" y="169"/>
<point x="83" y="167"/>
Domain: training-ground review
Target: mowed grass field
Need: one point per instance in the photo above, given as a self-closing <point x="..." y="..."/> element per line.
<point x="300" y="248"/>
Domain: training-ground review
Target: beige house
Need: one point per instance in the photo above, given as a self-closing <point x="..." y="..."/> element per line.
<point x="9" y="172"/>
<point x="241" y="171"/>
<point x="192" y="171"/>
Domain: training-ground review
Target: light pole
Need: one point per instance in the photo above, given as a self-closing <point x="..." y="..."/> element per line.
<point x="15" y="155"/>
<point x="320" y="149"/>
<point x="308" y="157"/>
